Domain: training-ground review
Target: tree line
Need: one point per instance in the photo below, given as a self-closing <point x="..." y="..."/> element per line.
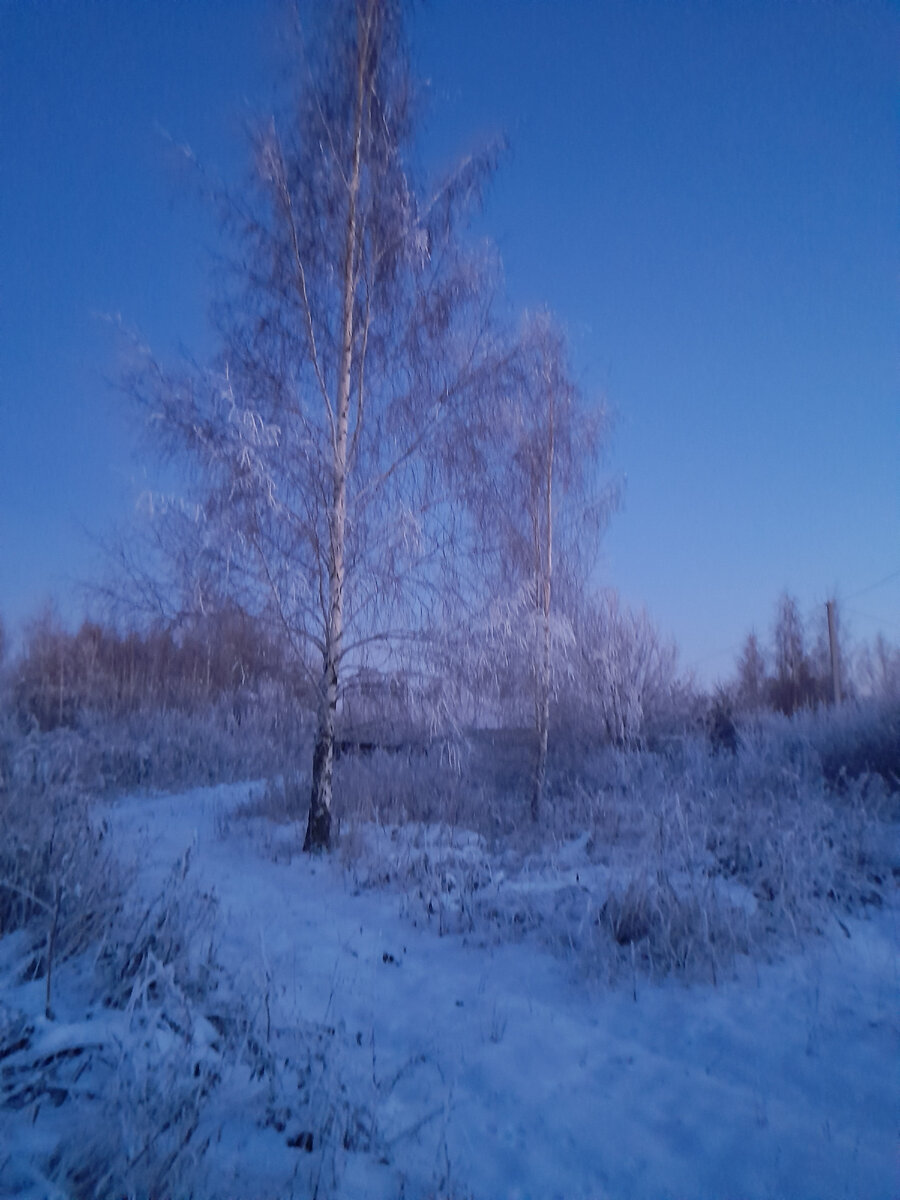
<point x="613" y="676"/>
<point x="793" y="670"/>
<point x="60" y="675"/>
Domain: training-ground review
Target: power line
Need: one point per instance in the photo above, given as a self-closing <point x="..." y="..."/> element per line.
<point x="855" y="612"/>
<point x="872" y="586"/>
<point x="806" y="617"/>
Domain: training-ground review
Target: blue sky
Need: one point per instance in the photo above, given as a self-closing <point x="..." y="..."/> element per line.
<point x="706" y="193"/>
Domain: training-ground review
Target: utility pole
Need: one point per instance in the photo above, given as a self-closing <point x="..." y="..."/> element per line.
<point x="832" y="642"/>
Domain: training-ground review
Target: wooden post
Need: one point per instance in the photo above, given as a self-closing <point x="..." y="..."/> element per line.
<point x="832" y="642"/>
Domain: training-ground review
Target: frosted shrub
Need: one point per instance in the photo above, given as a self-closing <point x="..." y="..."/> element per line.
<point x="855" y="740"/>
<point x="158" y="970"/>
<point x="172" y="749"/>
<point x="58" y="878"/>
<point x="668" y="929"/>
<point x="158" y="749"/>
<point x="724" y="853"/>
<point x="396" y="787"/>
<point x="59" y="887"/>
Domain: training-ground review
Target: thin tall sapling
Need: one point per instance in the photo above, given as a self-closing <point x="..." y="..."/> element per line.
<point x="355" y="345"/>
<point x="752" y="682"/>
<point x="792" y="687"/>
<point x="546" y="509"/>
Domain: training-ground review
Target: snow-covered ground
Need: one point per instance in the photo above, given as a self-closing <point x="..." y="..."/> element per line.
<point x="401" y="1061"/>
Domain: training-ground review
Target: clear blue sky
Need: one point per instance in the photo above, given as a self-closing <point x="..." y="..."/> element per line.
<point x="705" y="192"/>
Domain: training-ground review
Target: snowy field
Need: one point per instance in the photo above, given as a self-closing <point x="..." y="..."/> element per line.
<point x="320" y="1028"/>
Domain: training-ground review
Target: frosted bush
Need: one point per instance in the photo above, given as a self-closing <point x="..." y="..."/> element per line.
<point x="59" y="881"/>
<point x="161" y="749"/>
<point x="856" y="740"/>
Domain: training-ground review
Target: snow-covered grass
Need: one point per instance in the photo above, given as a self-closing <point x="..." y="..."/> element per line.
<point x="59" y="878"/>
<point x="153" y="1048"/>
<point x="682" y="985"/>
<point x="343" y="1048"/>
<point x="651" y="862"/>
<point x="861" y="738"/>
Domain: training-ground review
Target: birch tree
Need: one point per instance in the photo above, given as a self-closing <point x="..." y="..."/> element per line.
<point x="547" y="508"/>
<point x="751" y="675"/>
<point x="355" y="346"/>
<point x="792" y="684"/>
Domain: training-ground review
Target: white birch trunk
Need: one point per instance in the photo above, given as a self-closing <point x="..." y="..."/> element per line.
<point x="543" y="672"/>
<point x="318" y="830"/>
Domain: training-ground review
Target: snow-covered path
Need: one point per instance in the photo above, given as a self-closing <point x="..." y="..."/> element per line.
<point x="498" y="1069"/>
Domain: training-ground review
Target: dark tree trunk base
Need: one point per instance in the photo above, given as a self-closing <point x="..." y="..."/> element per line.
<point x="318" y="830"/>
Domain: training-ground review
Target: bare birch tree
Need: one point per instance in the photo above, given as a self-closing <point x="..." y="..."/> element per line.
<point x="547" y="509"/>
<point x="751" y="675"/>
<point x="355" y="343"/>
<point x="792" y="684"/>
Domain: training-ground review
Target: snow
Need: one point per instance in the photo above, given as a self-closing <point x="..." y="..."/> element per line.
<point x="457" y="1061"/>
